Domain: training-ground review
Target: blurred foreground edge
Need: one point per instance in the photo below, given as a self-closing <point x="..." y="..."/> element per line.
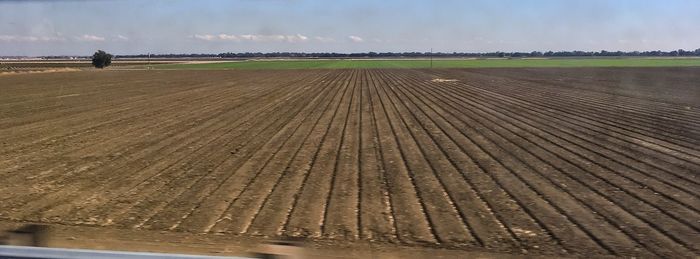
<point x="28" y="252"/>
<point x="30" y="241"/>
<point x="27" y="235"/>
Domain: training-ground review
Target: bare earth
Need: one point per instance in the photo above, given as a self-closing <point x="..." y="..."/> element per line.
<point x="563" y="162"/>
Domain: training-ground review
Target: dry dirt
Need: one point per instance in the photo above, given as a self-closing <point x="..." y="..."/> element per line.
<point x="564" y="162"/>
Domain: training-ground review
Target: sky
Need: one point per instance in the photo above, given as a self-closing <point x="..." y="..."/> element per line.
<point x="79" y="27"/>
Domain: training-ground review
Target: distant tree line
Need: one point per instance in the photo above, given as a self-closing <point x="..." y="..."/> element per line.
<point x="170" y="56"/>
<point x="246" y="55"/>
<point x="603" y="53"/>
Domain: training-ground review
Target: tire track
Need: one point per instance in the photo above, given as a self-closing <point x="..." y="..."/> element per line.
<point x="275" y="212"/>
<point x="308" y="214"/>
<point x="452" y="228"/>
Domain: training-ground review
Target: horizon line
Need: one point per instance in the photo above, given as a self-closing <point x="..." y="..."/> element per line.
<point x="695" y="51"/>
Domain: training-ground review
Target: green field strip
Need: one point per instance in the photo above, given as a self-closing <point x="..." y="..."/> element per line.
<point x="442" y="63"/>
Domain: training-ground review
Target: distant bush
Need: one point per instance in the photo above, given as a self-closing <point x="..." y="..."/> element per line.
<point x="101" y="59"/>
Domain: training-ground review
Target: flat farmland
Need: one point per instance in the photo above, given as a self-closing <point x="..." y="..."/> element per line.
<point x="580" y="162"/>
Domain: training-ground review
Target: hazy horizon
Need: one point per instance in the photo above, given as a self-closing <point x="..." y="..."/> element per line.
<point x="38" y="28"/>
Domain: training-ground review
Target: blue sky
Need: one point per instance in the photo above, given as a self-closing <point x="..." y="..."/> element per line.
<point x="79" y="27"/>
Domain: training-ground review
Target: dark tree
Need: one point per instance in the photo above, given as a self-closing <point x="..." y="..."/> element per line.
<point x="101" y="59"/>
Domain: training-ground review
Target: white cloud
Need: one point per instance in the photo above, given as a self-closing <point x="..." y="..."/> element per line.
<point x="324" y="39"/>
<point x="251" y="37"/>
<point x="297" y="38"/>
<point x="228" y="37"/>
<point x="122" y="37"/>
<point x="17" y="38"/>
<point x="355" y="39"/>
<point x="87" y="37"/>
<point x="206" y="37"/>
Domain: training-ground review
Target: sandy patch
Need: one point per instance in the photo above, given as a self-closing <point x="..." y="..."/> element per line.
<point x="18" y="72"/>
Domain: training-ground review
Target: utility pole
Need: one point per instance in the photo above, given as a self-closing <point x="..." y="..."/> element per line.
<point x="149" y="61"/>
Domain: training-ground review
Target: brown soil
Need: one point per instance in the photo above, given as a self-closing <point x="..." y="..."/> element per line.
<point x="562" y="162"/>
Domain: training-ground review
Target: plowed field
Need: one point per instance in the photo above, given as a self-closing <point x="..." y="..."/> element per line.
<point x="575" y="162"/>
